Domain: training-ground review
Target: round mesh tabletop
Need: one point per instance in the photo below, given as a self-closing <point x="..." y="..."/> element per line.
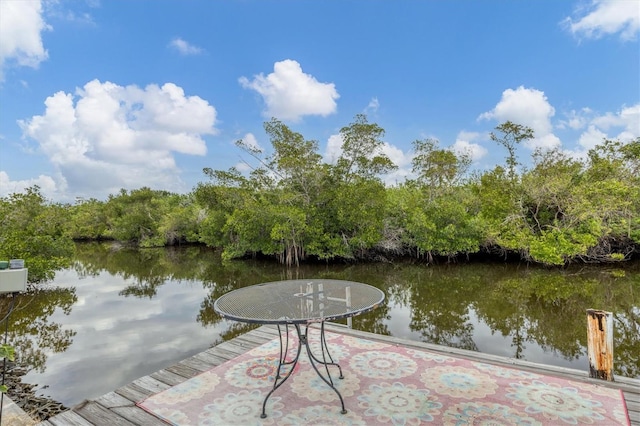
<point x="298" y="301"/>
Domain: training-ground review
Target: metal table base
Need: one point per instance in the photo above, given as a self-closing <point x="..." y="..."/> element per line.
<point x="300" y="303"/>
<point x="315" y="361"/>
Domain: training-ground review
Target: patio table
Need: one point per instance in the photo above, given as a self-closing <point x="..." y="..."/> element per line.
<point x="300" y="303"/>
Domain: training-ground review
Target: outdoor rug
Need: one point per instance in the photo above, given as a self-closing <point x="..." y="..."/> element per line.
<point x="383" y="385"/>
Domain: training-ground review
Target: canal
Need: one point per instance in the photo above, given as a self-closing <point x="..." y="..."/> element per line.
<point x="119" y="313"/>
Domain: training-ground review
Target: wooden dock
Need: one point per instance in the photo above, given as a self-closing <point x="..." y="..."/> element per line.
<point x="119" y="407"/>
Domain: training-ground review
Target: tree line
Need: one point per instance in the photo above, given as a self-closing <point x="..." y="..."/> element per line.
<point x="295" y="207"/>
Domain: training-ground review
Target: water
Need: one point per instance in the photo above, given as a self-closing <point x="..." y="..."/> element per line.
<point x="118" y="315"/>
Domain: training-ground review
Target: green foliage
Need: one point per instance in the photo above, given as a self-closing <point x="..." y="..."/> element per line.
<point x="563" y="209"/>
<point x="151" y="218"/>
<point x="511" y="134"/>
<point x="291" y="205"/>
<point x="437" y="168"/>
<point x="31" y="331"/>
<point x="8" y="352"/>
<point x="36" y="231"/>
<point x="613" y="190"/>
<point x="88" y="220"/>
<point x="361" y="151"/>
<point x="446" y="225"/>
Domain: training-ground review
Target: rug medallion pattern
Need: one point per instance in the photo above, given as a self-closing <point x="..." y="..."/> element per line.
<point x="383" y="385"/>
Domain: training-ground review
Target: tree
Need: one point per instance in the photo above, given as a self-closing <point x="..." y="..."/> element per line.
<point x="437" y="168"/>
<point x="36" y="231"/>
<point x="362" y="151"/>
<point x="511" y="135"/>
<point x="291" y="205"/>
<point x="152" y="218"/>
<point x="612" y="191"/>
<point x="88" y="220"/>
<point x="553" y="208"/>
<point x="272" y="210"/>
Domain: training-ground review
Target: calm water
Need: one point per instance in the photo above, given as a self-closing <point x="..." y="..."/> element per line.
<point x="121" y="314"/>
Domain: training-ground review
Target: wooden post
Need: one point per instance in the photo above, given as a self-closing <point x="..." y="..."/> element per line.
<point x="600" y="344"/>
<point x="347" y="299"/>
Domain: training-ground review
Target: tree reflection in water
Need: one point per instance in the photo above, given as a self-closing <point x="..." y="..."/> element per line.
<point x="31" y="332"/>
<point x="524" y="312"/>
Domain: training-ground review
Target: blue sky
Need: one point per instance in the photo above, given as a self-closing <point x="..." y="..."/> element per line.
<point x="100" y="95"/>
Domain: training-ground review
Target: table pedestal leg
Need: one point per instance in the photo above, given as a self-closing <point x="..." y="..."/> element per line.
<point x="324" y="349"/>
<point x="282" y="362"/>
<point x="303" y="340"/>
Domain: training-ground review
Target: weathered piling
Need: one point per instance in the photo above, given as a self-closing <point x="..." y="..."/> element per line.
<point x="600" y="344"/>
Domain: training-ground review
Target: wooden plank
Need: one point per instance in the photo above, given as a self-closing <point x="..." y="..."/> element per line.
<point x="142" y="388"/>
<point x="128" y="410"/>
<point x="220" y="359"/>
<point x="231" y="347"/>
<point x="254" y="339"/>
<point x="114" y="400"/>
<point x="244" y="340"/>
<point x="133" y="392"/>
<point x="69" y="418"/>
<point x="168" y="377"/>
<point x="266" y="333"/>
<point x="624" y="383"/>
<point x="196" y="364"/>
<point x="210" y="359"/>
<point x="138" y="416"/>
<point x="630" y="397"/>
<point x="118" y="407"/>
<point x="183" y="370"/>
<point x="96" y="414"/>
<point x="633" y="406"/>
<point x="233" y="350"/>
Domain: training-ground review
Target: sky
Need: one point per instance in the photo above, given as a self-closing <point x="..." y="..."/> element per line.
<point x="102" y="95"/>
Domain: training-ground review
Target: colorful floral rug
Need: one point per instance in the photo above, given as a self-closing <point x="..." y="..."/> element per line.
<point x="386" y="385"/>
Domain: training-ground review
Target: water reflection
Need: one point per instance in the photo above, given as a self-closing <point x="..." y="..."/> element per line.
<point x="31" y="332"/>
<point x="128" y="313"/>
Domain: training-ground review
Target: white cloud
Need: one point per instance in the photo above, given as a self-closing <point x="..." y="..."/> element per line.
<point x="623" y="125"/>
<point x="464" y="145"/>
<point x="527" y="107"/>
<point x="120" y="137"/>
<point x="608" y="121"/>
<point x="395" y="154"/>
<point x="48" y="186"/>
<point x="605" y="17"/>
<point x="333" y="150"/>
<point x="631" y="118"/>
<point x="290" y="94"/>
<point x="547" y="141"/>
<point x="576" y="120"/>
<point x="21" y="25"/>
<point x="184" y="48"/>
<point x="628" y="118"/>
<point x="468" y="136"/>
<point x="592" y="137"/>
<point x="71" y="11"/>
<point x="373" y="106"/>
